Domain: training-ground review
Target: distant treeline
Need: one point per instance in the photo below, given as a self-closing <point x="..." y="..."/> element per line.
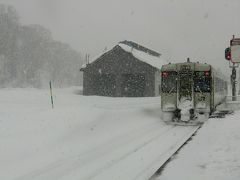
<point x="29" y="57"/>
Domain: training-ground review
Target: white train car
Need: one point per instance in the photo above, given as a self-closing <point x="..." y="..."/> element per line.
<point x="190" y="92"/>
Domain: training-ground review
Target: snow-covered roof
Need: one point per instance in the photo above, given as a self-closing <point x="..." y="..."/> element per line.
<point x="143" y="54"/>
<point x="139" y="47"/>
<point x="155" y="61"/>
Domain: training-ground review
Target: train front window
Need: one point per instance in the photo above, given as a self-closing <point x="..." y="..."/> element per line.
<point x="202" y="81"/>
<point x="169" y="81"/>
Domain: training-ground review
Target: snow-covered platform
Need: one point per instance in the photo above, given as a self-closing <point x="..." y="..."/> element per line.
<point x="230" y="104"/>
<point x="212" y="154"/>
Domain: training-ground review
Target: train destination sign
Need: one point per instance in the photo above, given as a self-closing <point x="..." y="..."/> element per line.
<point x="235" y="50"/>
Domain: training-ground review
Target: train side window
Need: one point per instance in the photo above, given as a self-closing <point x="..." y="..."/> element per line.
<point x="220" y="85"/>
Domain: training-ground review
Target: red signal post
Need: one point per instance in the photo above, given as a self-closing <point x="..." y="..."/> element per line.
<point x="228" y="53"/>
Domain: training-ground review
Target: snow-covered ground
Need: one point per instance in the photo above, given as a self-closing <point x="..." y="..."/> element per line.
<point x="83" y="135"/>
<point x="214" y="153"/>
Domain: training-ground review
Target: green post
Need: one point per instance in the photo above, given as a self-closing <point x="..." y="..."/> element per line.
<point x="50" y="84"/>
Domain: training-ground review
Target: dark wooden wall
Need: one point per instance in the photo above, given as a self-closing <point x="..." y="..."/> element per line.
<point x="118" y="73"/>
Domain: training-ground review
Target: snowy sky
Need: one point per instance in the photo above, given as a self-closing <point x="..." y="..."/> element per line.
<point x="199" y="29"/>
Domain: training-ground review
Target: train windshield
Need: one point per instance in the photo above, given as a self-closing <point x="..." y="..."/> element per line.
<point x="202" y="81"/>
<point x="169" y="82"/>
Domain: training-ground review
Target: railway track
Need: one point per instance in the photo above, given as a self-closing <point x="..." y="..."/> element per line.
<point x="151" y="157"/>
<point x="159" y="171"/>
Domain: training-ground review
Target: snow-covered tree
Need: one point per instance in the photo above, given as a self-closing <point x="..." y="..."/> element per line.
<point x="30" y="57"/>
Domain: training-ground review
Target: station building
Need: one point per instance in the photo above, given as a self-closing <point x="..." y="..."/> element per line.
<point x="127" y="70"/>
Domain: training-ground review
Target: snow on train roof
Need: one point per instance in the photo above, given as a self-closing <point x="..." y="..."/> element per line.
<point x="153" y="60"/>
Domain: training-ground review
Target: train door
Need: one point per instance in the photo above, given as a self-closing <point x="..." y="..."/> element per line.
<point x="185" y="85"/>
<point x="185" y="92"/>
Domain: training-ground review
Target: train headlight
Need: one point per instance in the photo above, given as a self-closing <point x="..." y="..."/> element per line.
<point x="201" y="105"/>
<point x="169" y="106"/>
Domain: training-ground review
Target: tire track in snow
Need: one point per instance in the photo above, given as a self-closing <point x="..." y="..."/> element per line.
<point x="105" y="168"/>
<point x="147" y="160"/>
<point x="63" y="167"/>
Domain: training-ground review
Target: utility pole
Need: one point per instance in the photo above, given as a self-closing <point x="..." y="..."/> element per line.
<point x="87" y="58"/>
<point x="233" y="82"/>
<point x="50" y="85"/>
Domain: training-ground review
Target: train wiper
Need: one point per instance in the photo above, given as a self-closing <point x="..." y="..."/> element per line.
<point x="171" y="90"/>
<point x="199" y="89"/>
